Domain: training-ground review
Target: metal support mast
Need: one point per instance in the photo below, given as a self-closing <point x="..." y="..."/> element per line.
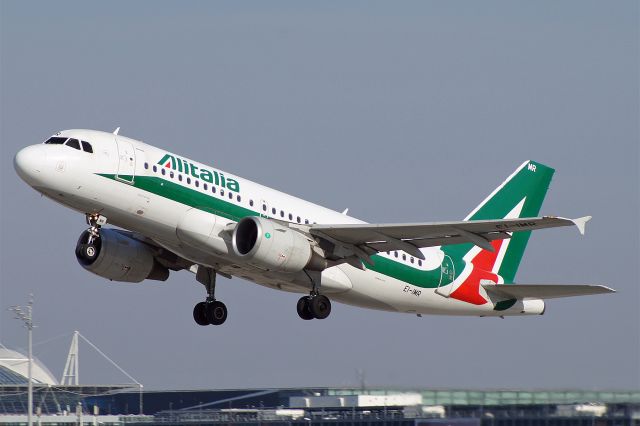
<point x="26" y="315"/>
<point x="70" y="375"/>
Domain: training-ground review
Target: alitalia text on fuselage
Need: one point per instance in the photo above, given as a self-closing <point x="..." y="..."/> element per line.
<point x="212" y="176"/>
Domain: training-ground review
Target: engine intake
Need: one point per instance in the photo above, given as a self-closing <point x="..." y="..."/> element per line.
<point x="268" y="245"/>
<point x="115" y="256"/>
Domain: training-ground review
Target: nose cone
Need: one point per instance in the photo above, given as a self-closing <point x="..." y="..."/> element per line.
<point x="29" y="163"/>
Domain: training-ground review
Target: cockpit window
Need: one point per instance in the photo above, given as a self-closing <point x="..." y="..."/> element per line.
<point x="56" y="140"/>
<point x="87" y="147"/>
<point x="73" y="143"/>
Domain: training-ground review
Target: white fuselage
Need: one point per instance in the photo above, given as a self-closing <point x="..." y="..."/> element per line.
<point x="123" y="180"/>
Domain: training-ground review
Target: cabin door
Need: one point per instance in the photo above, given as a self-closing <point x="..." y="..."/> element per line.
<point x="126" y="161"/>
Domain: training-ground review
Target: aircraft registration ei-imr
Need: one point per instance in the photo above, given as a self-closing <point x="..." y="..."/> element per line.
<point x="174" y="214"/>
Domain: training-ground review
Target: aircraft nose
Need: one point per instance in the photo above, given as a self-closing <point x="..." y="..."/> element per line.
<point x="29" y="162"/>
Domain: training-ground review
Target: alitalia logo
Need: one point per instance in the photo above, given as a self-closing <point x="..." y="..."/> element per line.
<point x="212" y="176"/>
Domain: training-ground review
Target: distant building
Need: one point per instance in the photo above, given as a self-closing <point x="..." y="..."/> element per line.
<point x="120" y="405"/>
<point x="14" y="369"/>
<point x="49" y="398"/>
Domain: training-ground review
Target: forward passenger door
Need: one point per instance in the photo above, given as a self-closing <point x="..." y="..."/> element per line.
<point x="126" y="161"/>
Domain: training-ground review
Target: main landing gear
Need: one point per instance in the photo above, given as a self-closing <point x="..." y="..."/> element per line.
<point x="315" y="305"/>
<point x="211" y="311"/>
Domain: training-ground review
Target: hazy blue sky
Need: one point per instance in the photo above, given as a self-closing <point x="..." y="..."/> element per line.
<point x="401" y="111"/>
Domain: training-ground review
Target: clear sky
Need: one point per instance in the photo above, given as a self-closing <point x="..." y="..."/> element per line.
<point x="401" y="111"/>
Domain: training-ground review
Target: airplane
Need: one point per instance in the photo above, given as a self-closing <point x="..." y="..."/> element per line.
<point x="170" y="213"/>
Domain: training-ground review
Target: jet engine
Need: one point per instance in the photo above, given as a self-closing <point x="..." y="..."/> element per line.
<point x="268" y="245"/>
<point x="117" y="257"/>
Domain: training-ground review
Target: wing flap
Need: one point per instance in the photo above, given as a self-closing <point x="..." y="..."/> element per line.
<point x="544" y="291"/>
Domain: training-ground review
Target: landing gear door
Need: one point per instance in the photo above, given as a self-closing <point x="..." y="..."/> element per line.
<point x="126" y="161"/>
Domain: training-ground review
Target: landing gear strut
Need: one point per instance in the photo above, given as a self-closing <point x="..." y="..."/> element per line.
<point x="95" y="221"/>
<point x="211" y="311"/>
<point x="88" y="250"/>
<point x="315" y="305"/>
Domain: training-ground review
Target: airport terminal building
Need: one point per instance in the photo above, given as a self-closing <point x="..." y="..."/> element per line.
<point x="61" y="404"/>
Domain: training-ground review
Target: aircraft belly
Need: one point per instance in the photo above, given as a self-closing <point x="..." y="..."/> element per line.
<point x="377" y="291"/>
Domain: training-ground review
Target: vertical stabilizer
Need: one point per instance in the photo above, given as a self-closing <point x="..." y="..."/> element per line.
<point x="520" y="195"/>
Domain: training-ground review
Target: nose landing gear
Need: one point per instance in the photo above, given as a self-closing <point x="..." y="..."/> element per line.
<point x="95" y="221"/>
<point x="88" y="247"/>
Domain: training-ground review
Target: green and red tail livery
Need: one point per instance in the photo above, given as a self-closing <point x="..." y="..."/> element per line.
<point x="520" y="195"/>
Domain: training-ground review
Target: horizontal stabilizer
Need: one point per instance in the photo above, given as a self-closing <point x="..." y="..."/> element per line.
<point x="544" y="291"/>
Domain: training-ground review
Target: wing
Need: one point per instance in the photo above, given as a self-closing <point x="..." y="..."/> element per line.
<point x="367" y="239"/>
<point x="544" y="291"/>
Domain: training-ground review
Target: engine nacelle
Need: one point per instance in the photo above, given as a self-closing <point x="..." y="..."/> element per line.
<point x="119" y="258"/>
<point x="268" y="245"/>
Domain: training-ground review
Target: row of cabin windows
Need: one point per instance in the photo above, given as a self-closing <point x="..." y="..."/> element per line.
<point x="230" y="194"/>
<point x="70" y="142"/>
<point x="404" y="257"/>
<point x="274" y="212"/>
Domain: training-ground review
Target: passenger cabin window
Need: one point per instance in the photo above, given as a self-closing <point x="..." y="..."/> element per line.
<point x="87" y="147"/>
<point x="56" y="140"/>
<point x="146" y="166"/>
<point x="290" y="216"/>
<point x="205" y="186"/>
<point x="155" y="169"/>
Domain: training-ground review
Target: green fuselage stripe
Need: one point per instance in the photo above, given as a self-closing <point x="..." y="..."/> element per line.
<point x="220" y="207"/>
